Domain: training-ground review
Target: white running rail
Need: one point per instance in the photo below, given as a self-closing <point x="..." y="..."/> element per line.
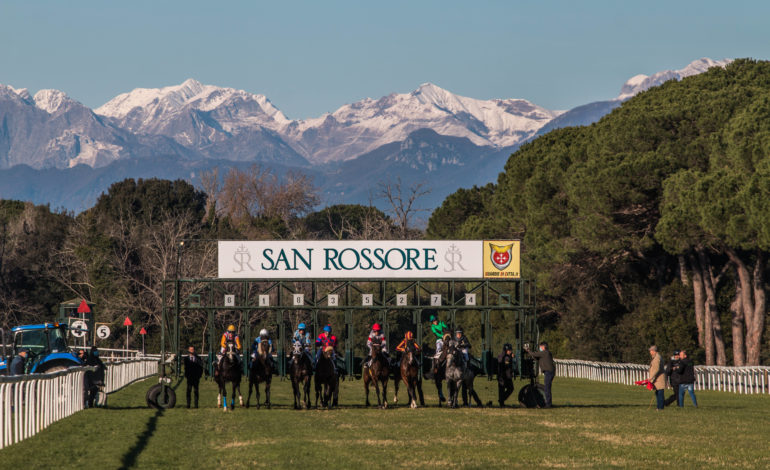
<point x="30" y="403"/>
<point x="747" y="380"/>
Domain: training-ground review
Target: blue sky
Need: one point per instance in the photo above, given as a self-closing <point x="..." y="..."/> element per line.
<point x="312" y="57"/>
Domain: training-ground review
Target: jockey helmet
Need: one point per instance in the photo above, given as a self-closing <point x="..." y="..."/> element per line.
<point x="301" y="326"/>
<point x="263" y="333"/>
<point x="507" y="347"/>
<point x="231" y="328"/>
<point x="328" y="328"/>
<point x="459" y="330"/>
<point x="376" y="327"/>
<point x="409" y="335"/>
<point x="433" y="318"/>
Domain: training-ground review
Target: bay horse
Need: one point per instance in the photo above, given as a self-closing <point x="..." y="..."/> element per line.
<point x="410" y="374"/>
<point x="261" y="371"/>
<point x="326" y="379"/>
<point x="228" y="370"/>
<point x="458" y="375"/>
<point x="378" y="373"/>
<point x="301" y="371"/>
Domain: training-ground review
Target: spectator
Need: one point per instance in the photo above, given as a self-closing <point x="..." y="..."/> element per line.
<point x="82" y="356"/>
<point x="547" y="366"/>
<point x="657" y="376"/>
<point x="94" y="379"/>
<point x="672" y="373"/>
<point x="19" y="362"/>
<point x="505" y="374"/>
<point x="193" y="370"/>
<point x="686" y="378"/>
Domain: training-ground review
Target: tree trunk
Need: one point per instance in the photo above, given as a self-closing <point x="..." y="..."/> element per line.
<point x="754" y="334"/>
<point x="698" y="298"/>
<point x="737" y="322"/>
<point x="712" y="315"/>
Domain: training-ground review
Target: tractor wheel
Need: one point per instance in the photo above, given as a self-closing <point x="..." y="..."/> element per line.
<point x="532" y="396"/>
<point x="159" y="401"/>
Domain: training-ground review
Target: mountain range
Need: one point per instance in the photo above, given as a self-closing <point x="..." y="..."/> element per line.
<point x="55" y="150"/>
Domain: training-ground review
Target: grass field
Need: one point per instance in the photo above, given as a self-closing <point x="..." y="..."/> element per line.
<point x="591" y="425"/>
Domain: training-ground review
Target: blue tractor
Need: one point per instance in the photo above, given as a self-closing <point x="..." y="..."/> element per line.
<point x="47" y="345"/>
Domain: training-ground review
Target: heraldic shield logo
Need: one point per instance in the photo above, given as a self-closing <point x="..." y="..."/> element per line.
<point x="502" y="258"/>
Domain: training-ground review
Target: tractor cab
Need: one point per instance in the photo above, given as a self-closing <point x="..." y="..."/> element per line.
<point x="47" y="345"/>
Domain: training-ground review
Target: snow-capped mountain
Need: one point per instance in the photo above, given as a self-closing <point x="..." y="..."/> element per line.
<point x="429" y="134"/>
<point x="640" y="83"/>
<point x="363" y="126"/>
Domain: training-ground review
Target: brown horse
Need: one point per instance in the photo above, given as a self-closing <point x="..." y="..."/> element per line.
<point x="300" y="372"/>
<point x="326" y="378"/>
<point x="228" y="370"/>
<point x="378" y="373"/>
<point x="261" y="371"/>
<point x="410" y="374"/>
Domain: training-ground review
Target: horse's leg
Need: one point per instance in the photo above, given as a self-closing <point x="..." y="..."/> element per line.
<point x="336" y="392"/>
<point x="295" y="390"/>
<point x="317" y="391"/>
<point x="248" y="396"/>
<point x="219" y="395"/>
<point x="441" y="398"/>
<point x="267" y="392"/>
<point x="385" y="393"/>
<point x="256" y="390"/>
<point x="306" y="402"/>
<point x="223" y="392"/>
<point x="366" y="388"/>
<point x="240" y="397"/>
<point x="418" y="385"/>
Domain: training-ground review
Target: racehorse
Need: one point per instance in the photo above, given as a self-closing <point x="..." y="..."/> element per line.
<point x="326" y="378"/>
<point x="228" y="370"/>
<point x="458" y="374"/>
<point x="439" y="372"/>
<point x="300" y="372"/>
<point x="379" y="373"/>
<point x="410" y="374"/>
<point x="261" y="370"/>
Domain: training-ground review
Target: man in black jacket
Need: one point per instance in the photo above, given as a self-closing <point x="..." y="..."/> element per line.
<point x="672" y="372"/>
<point x="686" y="378"/>
<point x="94" y="379"/>
<point x="19" y="362"/>
<point x="547" y="366"/>
<point x="505" y="374"/>
<point x="193" y="370"/>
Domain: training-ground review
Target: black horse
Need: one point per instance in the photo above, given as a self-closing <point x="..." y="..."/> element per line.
<point x="228" y="370"/>
<point x="301" y="371"/>
<point x="326" y="379"/>
<point x="261" y="371"/>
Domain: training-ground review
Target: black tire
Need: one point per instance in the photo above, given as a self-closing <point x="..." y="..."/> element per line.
<point x="151" y="395"/>
<point x="157" y="401"/>
<point x="532" y="396"/>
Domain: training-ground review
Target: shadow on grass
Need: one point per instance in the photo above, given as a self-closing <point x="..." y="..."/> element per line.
<point x="129" y="459"/>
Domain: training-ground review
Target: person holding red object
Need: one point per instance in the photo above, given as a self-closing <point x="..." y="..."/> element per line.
<point x="657" y="376"/>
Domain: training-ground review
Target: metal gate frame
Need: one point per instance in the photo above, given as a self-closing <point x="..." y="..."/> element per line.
<point x="493" y="295"/>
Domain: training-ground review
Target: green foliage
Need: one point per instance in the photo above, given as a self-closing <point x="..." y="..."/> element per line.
<point x="456" y="208"/>
<point x="603" y="209"/>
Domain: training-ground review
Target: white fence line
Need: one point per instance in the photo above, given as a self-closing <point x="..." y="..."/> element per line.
<point x="747" y="380"/>
<point x="30" y="403"/>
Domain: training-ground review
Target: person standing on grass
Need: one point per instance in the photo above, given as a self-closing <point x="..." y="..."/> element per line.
<point x="686" y="378"/>
<point x="672" y="373"/>
<point x="657" y="376"/>
<point x="547" y="366"/>
<point x="193" y="370"/>
<point x="505" y="374"/>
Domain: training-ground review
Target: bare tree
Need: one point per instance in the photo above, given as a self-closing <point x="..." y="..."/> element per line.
<point x="403" y="203"/>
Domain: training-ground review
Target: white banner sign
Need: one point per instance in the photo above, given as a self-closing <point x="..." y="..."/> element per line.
<point x="351" y="259"/>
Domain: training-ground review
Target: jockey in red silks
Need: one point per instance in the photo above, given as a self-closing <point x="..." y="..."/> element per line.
<point x="326" y="339"/>
<point x="376" y="337"/>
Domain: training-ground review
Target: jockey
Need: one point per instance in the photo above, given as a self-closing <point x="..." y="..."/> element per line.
<point x="376" y="337"/>
<point x="230" y="336"/>
<point x="302" y="336"/>
<point x="462" y="343"/>
<point x="326" y="339"/>
<point x="264" y="336"/>
<point x="438" y="328"/>
<point x="408" y="343"/>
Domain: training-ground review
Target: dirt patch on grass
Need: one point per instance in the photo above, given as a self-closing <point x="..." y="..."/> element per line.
<point x="618" y="440"/>
<point x="252" y="442"/>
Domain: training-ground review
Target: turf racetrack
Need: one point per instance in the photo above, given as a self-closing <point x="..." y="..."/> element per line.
<point x="591" y="425"/>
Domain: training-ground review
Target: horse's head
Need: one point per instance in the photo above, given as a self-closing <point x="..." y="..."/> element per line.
<point x="328" y="350"/>
<point x="297" y="349"/>
<point x="376" y="349"/>
<point x="230" y="350"/>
